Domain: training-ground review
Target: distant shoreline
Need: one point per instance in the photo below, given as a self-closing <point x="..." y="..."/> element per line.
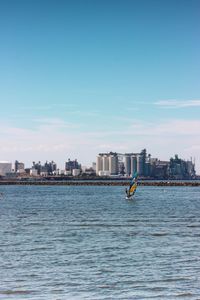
<point x="99" y="183"/>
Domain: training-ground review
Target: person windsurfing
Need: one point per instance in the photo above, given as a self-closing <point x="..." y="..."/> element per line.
<point x="132" y="187"/>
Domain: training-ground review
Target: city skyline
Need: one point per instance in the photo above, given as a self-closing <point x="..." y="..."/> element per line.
<point x="87" y="77"/>
<point x="108" y="164"/>
<point x="121" y="158"/>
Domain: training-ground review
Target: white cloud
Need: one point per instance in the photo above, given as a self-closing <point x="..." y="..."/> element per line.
<point x="178" y="127"/>
<point x="68" y="109"/>
<point x="55" y="123"/>
<point x="173" y="103"/>
<point x="84" y="113"/>
<point x="141" y="128"/>
<point x="52" y="106"/>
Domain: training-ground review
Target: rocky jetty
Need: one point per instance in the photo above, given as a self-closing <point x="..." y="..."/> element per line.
<point x="99" y="183"/>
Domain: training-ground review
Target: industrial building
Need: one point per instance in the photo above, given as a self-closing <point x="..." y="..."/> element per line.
<point x="5" y="168"/>
<point x="108" y="164"/>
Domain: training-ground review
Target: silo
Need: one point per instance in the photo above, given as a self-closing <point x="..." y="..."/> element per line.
<point x="133" y="164"/>
<point x="140" y="165"/>
<point x="105" y="163"/>
<point x="113" y="164"/>
<point x="127" y="164"/>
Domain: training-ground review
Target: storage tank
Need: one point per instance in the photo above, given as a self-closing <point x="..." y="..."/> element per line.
<point x="105" y="163"/>
<point x="127" y="164"/>
<point x="133" y="164"/>
<point x="113" y="164"/>
<point x="140" y="165"/>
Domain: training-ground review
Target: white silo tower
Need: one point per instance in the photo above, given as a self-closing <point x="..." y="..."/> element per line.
<point x="127" y="164"/>
<point x="113" y="164"/>
<point x="105" y="163"/>
<point x="133" y="164"/>
<point x="140" y="165"/>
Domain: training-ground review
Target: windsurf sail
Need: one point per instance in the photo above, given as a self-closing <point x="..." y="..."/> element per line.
<point x="133" y="186"/>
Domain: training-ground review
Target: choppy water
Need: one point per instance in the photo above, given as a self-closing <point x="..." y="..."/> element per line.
<point x="66" y="242"/>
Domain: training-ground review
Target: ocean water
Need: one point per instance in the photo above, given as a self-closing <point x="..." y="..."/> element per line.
<point x="86" y="242"/>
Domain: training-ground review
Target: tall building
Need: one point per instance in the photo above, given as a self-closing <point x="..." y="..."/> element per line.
<point x="19" y="167"/>
<point x="5" y="168"/>
<point x="37" y="166"/>
<point x="181" y="169"/>
<point x="94" y="166"/>
<point x="50" y="167"/>
<point x="70" y="165"/>
<point x="99" y="164"/>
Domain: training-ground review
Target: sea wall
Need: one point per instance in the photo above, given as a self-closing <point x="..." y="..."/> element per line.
<point x="99" y="183"/>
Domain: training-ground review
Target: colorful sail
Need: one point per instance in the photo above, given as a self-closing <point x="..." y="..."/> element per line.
<point x="133" y="186"/>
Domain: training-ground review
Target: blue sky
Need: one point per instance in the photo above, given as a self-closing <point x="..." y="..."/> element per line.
<point x="85" y="76"/>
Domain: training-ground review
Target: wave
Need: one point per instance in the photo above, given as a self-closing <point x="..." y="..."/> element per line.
<point x="16" y="292"/>
<point x="159" y="234"/>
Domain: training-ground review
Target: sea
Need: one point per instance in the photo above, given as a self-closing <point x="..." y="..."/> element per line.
<point x="89" y="242"/>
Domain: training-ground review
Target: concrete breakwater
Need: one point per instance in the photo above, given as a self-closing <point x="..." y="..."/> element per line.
<point x="99" y="183"/>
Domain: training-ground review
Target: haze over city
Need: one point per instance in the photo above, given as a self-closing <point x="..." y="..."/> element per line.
<point x="82" y="77"/>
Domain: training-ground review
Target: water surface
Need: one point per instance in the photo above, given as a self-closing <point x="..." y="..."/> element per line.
<point x="88" y="242"/>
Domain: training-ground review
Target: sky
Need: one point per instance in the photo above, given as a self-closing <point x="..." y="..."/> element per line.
<point x="82" y="77"/>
